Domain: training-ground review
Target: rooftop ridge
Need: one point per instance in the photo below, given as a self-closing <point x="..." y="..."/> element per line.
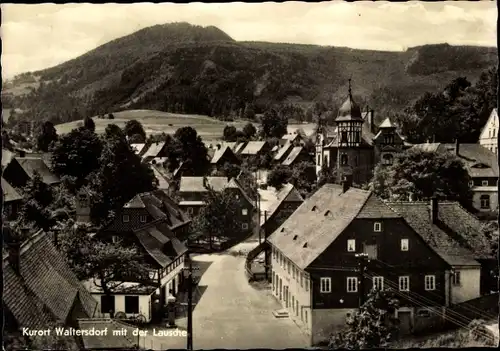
<point x="26" y="244"/>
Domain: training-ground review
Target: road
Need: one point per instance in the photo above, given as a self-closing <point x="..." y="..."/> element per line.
<point x="232" y="314"/>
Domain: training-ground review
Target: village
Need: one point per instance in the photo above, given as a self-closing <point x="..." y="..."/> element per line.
<point x="275" y="260"/>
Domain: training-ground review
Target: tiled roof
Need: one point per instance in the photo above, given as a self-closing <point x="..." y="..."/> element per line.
<point x="154" y="150"/>
<point x="386" y="124"/>
<point x="283" y="150"/>
<point x="253" y="147"/>
<point x="160" y="205"/>
<point x="458" y="239"/>
<point x="219" y="153"/>
<point x="472" y="155"/>
<point x="160" y="243"/>
<point x="271" y="199"/>
<point x="9" y="193"/>
<point x="317" y="223"/>
<point x="32" y="164"/>
<point x="109" y="341"/>
<point x="46" y="287"/>
<point x="376" y="209"/>
<point x="239" y="147"/>
<point x="137" y="147"/>
<point x="293" y="155"/>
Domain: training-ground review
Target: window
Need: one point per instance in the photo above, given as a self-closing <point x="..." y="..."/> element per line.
<point x="343" y="159"/>
<point x="325" y="161"/>
<point x="471" y="183"/>
<point x="351" y="245"/>
<point x="107" y="304"/>
<point x="485" y="201"/>
<point x="455" y="278"/>
<point x="430" y="282"/>
<point x="306" y="283"/>
<point x="356" y="137"/>
<point x="244" y="212"/>
<point x="371" y="250"/>
<point x="293" y="272"/>
<point x="484" y="183"/>
<point x="325" y="285"/>
<point x="404" y="283"/>
<point x="274" y="253"/>
<point x="352" y="284"/>
<point x="404" y="244"/>
<point x="126" y="218"/>
<point x="190" y="210"/>
<point x="301" y="280"/>
<point x="377" y="227"/>
<point x="305" y="314"/>
<point x="132" y="304"/>
<point x="387" y="159"/>
<point x="319" y="160"/>
<point x="244" y="226"/>
<point x="143" y="219"/>
<point x="378" y="283"/>
<point x="115" y="239"/>
<point x="343" y="137"/>
<point x="289" y="264"/>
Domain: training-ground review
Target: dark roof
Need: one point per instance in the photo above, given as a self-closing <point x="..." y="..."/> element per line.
<point x="474" y="157"/>
<point x="46" y="288"/>
<point x="160" y="205"/>
<point x="9" y="193"/>
<point x="109" y="341"/>
<point x="318" y="222"/>
<point x="349" y="111"/>
<point x="293" y="155"/>
<point x="30" y="165"/>
<point x="457" y="238"/>
<point x="219" y="153"/>
<point x="197" y="185"/>
<point x="160" y="243"/>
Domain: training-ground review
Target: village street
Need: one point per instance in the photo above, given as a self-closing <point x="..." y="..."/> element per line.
<point x="231" y="313"/>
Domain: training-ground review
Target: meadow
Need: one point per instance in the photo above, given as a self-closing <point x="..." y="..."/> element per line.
<point x="157" y="122"/>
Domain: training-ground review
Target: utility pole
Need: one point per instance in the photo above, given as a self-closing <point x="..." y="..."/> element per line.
<point x="266" y="252"/>
<point x="362" y="258"/>
<point x="189" y="345"/>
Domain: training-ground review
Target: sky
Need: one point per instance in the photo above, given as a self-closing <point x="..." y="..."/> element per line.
<point x="43" y="35"/>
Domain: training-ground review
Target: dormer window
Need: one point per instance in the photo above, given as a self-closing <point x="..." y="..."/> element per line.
<point x="126" y="218"/>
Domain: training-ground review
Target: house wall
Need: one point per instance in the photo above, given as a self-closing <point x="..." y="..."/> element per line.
<point x="492" y="193"/>
<point x="15" y="175"/>
<point x="145" y="306"/>
<point x="469" y="288"/>
<point x="291" y="290"/>
<point x="418" y="261"/>
<point x="360" y="162"/>
<point x="325" y="322"/>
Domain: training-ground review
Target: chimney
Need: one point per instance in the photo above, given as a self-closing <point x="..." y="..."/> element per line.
<point x="457" y="148"/>
<point x="371" y="119"/>
<point x="218" y="146"/>
<point x="434" y="210"/>
<point x="22" y="153"/>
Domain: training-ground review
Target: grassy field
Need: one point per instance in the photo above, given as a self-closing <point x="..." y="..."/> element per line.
<point x="156" y="122"/>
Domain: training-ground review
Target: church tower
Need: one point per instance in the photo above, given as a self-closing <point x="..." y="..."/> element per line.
<point x="349" y="136"/>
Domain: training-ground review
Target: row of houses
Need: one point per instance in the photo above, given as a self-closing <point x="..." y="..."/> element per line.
<point x="431" y="254"/>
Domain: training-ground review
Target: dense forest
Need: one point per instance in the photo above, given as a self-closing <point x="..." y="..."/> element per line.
<point x="191" y="69"/>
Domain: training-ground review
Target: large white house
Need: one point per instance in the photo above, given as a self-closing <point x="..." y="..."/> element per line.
<point x="489" y="135"/>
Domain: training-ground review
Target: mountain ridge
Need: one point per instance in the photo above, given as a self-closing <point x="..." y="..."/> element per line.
<point x="184" y="68"/>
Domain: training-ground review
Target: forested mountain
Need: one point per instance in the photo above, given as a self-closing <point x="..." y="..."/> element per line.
<point x="184" y="68"/>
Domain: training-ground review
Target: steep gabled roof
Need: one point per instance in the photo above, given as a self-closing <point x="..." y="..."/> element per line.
<point x="46" y="288"/>
<point x="282" y="151"/>
<point x="314" y="230"/>
<point x="9" y="193"/>
<point x="239" y="147"/>
<point x="492" y="121"/>
<point x="386" y="124"/>
<point x="162" y="181"/>
<point x="30" y="165"/>
<point x="457" y="238"/>
<point x="253" y="147"/>
<point x="154" y="150"/>
<point x="197" y="185"/>
<point x="7" y="156"/>
<point x="271" y="199"/>
<point x="138" y="148"/>
<point x="219" y="153"/>
<point x="293" y="155"/>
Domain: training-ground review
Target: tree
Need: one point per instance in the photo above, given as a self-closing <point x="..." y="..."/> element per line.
<point x="327" y="175"/>
<point x="189" y="148"/>
<point x="110" y="265"/>
<point x="134" y="127"/>
<point x="424" y="174"/>
<point x="111" y="116"/>
<point x="121" y="176"/>
<point x="37" y="198"/>
<point x="219" y="218"/>
<point x="136" y="139"/>
<point x="279" y="176"/>
<point x="89" y="124"/>
<point x="229" y="133"/>
<point x="303" y="177"/>
<point x="249" y="130"/>
<point x="76" y="154"/>
<point x="249" y="112"/>
<point x="372" y="326"/>
<point x="46" y="136"/>
<point x="229" y="170"/>
<point x="273" y="125"/>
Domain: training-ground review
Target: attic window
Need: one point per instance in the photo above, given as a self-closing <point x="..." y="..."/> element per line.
<point x="305" y="245"/>
<point x="282" y="230"/>
<point x="314" y="208"/>
<point x="328" y="213"/>
<point x="295" y="237"/>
